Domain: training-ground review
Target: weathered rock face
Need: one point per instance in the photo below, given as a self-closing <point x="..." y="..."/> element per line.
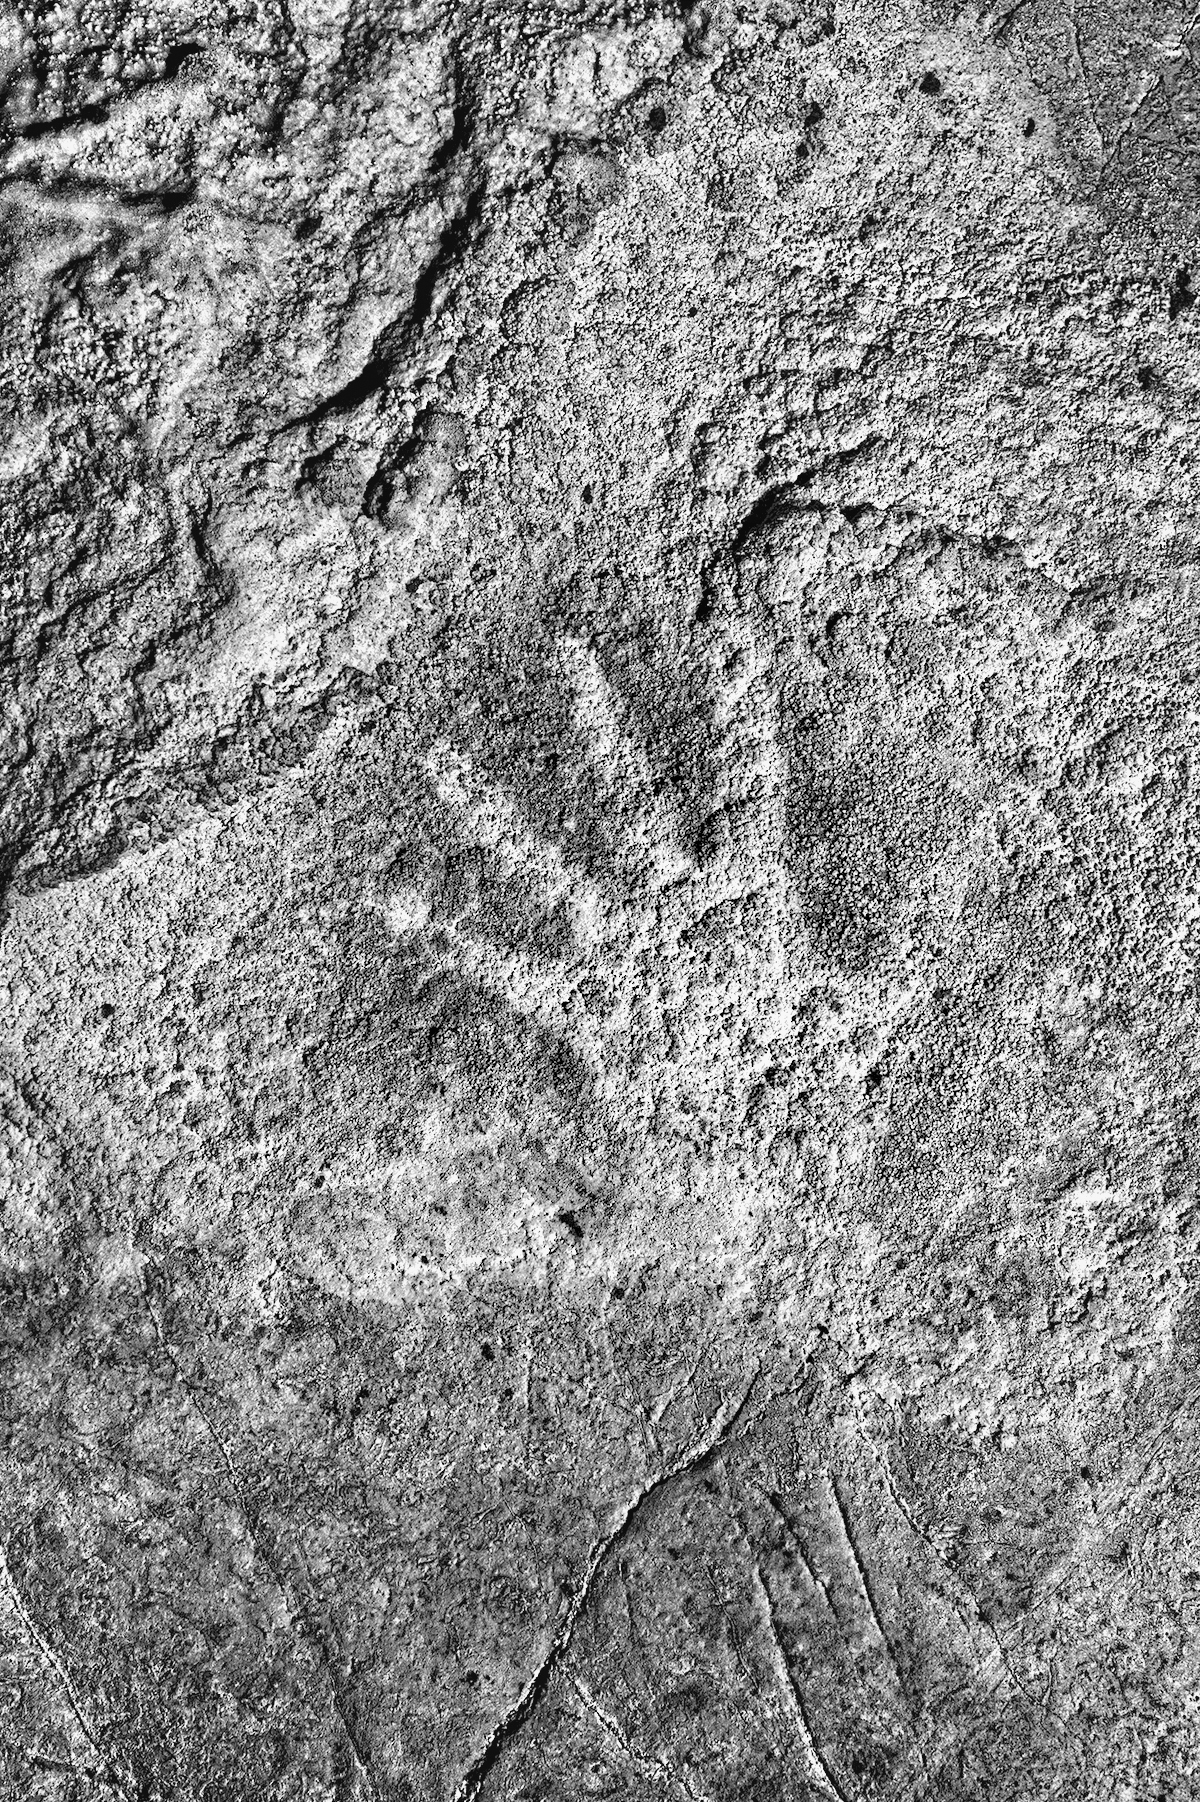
<point x="599" y="850"/>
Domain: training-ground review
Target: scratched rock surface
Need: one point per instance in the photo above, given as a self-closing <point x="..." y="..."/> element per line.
<point x="599" y="849"/>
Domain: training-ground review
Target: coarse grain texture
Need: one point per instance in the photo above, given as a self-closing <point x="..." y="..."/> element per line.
<point x="600" y="878"/>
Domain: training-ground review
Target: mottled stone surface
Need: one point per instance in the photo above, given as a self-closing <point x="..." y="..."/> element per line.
<point x="600" y="639"/>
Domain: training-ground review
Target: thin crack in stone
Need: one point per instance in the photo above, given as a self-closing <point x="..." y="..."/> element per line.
<point x="511" y="1723"/>
<point x="961" y="1588"/>
<point x="122" y="1781"/>
<point x="643" y="1760"/>
<point x="357" y="1751"/>
<point x="864" y="1580"/>
<point x="1153" y="87"/>
<point x="823" y="1771"/>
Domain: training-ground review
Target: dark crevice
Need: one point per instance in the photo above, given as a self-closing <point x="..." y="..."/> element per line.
<point x="793" y="495"/>
<point x="99" y="112"/>
<point x="161" y="200"/>
<point x="370" y="379"/>
<point x="767" y="507"/>
<point x="178" y="57"/>
<point x="464" y="115"/>
<point x="840" y="459"/>
<point x="164" y="201"/>
<point x="401" y="336"/>
<point x="453" y="243"/>
<point x="94" y="113"/>
<point x="1183" y="295"/>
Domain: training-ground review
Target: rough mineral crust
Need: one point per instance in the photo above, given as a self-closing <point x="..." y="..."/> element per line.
<point x="600" y="645"/>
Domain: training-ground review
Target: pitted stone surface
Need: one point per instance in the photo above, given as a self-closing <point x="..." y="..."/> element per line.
<point x="600" y="854"/>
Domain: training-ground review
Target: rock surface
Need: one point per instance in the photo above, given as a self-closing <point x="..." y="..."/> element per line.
<point x="599" y="842"/>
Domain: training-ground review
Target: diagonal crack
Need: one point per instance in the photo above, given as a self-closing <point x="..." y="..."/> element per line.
<point x="459" y="181"/>
<point x="401" y="337"/>
<point x="996" y="28"/>
<point x="311" y="1627"/>
<point x="119" y="1779"/>
<point x="642" y="1759"/>
<point x="827" y="1776"/>
<point x="1155" y="86"/>
<point x="510" y="1724"/>
<point x="864" y="1579"/>
<point x="814" y="1576"/>
<point x="969" y="1601"/>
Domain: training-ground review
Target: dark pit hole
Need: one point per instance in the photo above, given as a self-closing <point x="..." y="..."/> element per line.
<point x="929" y="83"/>
<point x="178" y="57"/>
<point x="587" y="494"/>
<point x="656" y="118"/>
<point x="813" y="116"/>
<point x="162" y="200"/>
<point x="570" y="1220"/>
<point x="107" y="1010"/>
<point x="1028" y="129"/>
<point x="307" y="228"/>
<point x="486" y="1353"/>
<point x="1147" y="377"/>
<point x="377" y="495"/>
<point x="1183" y="294"/>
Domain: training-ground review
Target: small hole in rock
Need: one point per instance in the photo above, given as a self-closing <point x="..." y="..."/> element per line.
<point x="587" y="494"/>
<point x="1182" y="294"/>
<point x="1029" y="128"/>
<point x="107" y="1010"/>
<point x="929" y="83"/>
<point x="656" y="119"/>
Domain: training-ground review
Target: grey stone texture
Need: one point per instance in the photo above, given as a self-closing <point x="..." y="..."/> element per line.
<point x="600" y="641"/>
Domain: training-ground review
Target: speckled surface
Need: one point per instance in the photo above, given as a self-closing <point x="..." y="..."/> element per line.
<point x="599" y="845"/>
